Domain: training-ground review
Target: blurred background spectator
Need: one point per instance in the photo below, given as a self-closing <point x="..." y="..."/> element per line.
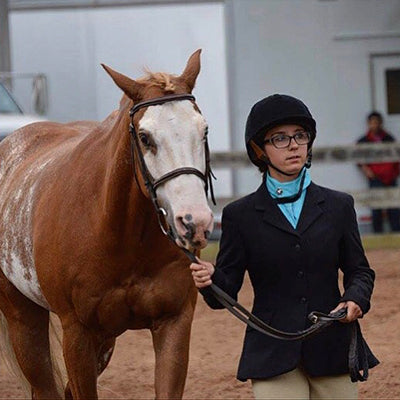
<point x="381" y="174"/>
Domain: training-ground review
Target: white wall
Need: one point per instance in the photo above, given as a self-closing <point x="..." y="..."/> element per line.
<point x="316" y="50"/>
<point x="301" y="48"/>
<point x="69" y="45"/>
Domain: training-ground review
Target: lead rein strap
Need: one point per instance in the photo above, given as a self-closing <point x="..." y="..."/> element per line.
<point x="320" y="321"/>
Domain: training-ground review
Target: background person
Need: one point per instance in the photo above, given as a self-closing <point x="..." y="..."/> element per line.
<point x="380" y="175"/>
<point x="292" y="236"/>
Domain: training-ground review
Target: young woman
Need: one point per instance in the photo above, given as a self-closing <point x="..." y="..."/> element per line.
<point x="292" y="236"/>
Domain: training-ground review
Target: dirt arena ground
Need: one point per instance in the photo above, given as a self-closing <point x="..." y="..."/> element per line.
<point x="216" y="344"/>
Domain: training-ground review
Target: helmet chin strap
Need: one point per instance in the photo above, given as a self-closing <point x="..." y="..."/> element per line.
<point x="292" y="199"/>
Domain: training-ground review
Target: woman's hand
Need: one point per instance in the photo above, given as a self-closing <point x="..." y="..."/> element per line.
<point x="202" y="272"/>
<point x="353" y="311"/>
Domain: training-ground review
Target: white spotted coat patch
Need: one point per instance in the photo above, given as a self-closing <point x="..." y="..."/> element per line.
<point x="17" y="200"/>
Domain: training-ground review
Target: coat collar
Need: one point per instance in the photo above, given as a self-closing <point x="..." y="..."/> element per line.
<point x="274" y="216"/>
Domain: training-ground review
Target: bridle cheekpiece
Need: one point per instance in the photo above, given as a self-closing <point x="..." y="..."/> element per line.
<point x="151" y="183"/>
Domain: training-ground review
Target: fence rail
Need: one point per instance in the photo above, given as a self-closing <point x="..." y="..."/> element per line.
<point x="357" y="154"/>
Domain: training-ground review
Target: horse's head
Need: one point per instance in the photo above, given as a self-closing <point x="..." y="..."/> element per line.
<point x="170" y="137"/>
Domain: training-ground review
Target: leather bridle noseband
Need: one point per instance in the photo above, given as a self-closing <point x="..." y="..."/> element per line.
<point x="151" y="183"/>
<point x="320" y="320"/>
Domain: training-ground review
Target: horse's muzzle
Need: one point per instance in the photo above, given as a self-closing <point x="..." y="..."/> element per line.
<point x="194" y="229"/>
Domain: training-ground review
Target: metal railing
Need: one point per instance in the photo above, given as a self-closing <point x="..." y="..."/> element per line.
<point x="38" y="92"/>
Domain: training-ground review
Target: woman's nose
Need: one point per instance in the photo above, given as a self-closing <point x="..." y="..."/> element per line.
<point x="293" y="143"/>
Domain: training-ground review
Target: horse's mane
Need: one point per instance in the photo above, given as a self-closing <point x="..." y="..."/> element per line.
<point x="160" y="79"/>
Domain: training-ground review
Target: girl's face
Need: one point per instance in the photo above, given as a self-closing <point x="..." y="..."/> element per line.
<point x="290" y="159"/>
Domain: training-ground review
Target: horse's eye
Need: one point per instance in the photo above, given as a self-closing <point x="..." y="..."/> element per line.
<point x="144" y="139"/>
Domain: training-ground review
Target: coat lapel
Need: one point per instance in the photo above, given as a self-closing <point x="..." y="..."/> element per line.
<point x="312" y="209"/>
<point x="272" y="214"/>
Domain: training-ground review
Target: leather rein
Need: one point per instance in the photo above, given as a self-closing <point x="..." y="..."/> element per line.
<point x="320" y="320"/>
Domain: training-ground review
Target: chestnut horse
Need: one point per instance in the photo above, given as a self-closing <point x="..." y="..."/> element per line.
<point x="80" y="236"/>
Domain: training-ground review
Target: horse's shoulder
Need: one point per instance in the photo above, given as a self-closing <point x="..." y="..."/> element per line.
<point x="40" y="137"/>
<point x="41" y="131"/>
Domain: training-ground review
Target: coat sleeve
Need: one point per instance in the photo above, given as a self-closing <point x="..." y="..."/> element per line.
<point x="230" y="266"/>
<point x="358" y="277"/>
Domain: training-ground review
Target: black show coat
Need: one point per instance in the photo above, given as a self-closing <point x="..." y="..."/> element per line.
<point x="293" y="272"/>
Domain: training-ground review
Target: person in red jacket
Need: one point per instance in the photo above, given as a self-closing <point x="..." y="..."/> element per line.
<point x="381" y="174"/>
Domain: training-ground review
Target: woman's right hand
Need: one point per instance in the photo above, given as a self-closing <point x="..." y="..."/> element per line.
<point x="202" y="273"/>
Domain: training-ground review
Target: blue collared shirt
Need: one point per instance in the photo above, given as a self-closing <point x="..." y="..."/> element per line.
<point x="285" y="189"/>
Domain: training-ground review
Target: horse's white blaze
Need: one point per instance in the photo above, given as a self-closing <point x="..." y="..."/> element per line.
<point x="177" y="130"/>
<point x="16" y="206"/>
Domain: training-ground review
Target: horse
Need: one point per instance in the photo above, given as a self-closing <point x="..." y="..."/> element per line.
<point x="81" y="208"/>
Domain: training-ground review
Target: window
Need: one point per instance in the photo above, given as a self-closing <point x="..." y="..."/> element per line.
<point x="393" y="90"/>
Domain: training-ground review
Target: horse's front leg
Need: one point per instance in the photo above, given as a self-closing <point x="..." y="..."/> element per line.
<point x="79" y="347"/>
<point x="171" y="345"/>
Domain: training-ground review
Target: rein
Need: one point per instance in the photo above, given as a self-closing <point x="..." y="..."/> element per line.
<point x="320" y="320"/>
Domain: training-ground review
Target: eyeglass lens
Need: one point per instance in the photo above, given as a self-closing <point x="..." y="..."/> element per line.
<point x="282" y="140"/>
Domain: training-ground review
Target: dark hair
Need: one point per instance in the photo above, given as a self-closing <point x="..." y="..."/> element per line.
<point x="375" y="114"/>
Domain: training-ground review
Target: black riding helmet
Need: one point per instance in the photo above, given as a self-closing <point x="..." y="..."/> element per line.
<point x="275" y="110"/>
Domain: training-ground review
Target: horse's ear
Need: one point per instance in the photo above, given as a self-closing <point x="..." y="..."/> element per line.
<point x="189" y="75"/>
<point x="130" y="87"/>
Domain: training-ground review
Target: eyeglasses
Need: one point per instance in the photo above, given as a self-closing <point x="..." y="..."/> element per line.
<point x="281" y="140"/>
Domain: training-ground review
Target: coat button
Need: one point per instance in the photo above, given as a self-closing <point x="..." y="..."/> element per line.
<point x="300" y="274"/>
<point x="303" y="300"/>
<point x="297" y="247"/>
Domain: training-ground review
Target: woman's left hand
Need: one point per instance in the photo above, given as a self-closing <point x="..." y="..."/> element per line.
<point x="353" y="311"/>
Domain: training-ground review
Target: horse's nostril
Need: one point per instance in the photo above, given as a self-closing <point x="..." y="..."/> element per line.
<point x="186" y="229"/>
<point x="188" y="217"/>
<point x="191" y="230"/>
<point x="180" y="223"/>
<point x="194" y="227"/>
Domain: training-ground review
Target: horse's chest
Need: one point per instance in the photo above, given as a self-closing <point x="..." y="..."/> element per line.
<point x="139" y="305"/>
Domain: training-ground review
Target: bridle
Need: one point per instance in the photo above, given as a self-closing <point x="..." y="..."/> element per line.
<point x="151" y="183"/>
<point x="358" y="347"/>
